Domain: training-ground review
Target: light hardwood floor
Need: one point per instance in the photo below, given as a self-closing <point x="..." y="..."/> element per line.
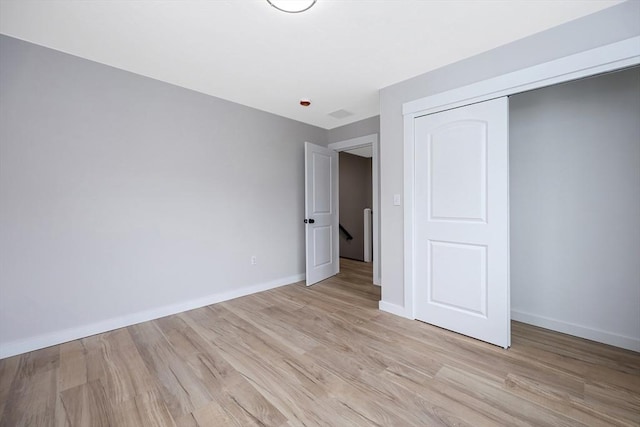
<point x="323" y="355"/>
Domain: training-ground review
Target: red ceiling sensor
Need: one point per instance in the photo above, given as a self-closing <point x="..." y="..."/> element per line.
<point x="305" y="102"/>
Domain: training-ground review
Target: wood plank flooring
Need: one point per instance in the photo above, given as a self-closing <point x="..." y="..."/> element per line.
<point x="319" y="356"/>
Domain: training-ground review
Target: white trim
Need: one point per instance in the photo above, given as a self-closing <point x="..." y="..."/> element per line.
<point x="630" y="343"/>
<point x="375" y="200"/>
<point x="363" y="141"/>
<point x="409" y="173"/>
<point x="607" y="58"/>
<point x="398" y="310"/>
<point x="348" y="144"/>
<point x="13" y="348"/>
<point x="603" y="59"/>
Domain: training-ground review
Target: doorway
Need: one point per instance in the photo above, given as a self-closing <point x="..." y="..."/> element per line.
<point x="368" y="143"/>
<point x="355" y="204"/>
<point x="574" y="154"/>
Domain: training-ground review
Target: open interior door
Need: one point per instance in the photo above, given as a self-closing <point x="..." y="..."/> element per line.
<point x="321" y="212"/>
<point x="462" y="221"/>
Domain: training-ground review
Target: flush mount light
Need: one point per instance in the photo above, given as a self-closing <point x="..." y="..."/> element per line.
<point x="292" y="6"/>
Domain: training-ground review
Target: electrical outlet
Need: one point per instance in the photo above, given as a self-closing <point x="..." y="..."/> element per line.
<point x="254" y="261"/>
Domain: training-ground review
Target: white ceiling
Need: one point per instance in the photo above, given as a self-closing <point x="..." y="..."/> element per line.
<point x="338" y="54"/>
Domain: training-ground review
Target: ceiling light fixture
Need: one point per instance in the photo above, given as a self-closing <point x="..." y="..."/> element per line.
<point x="292" y="6"/>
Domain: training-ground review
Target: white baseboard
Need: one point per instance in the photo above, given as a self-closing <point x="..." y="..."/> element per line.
<point x="398" y="310"/>
<point x="605" y="337"/>
<point x="13" y="348"/>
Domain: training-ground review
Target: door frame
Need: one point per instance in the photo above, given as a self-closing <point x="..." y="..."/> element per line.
<point x="364" y="141"/>
<point x="608" y="58"/>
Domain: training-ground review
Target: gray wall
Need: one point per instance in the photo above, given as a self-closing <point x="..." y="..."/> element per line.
<point x="575" y="204"/>
<point x="360" y="128"/>
<point x="355" y="196"/>
<point x="120" y="194"/>
<point x="614" y="24"/>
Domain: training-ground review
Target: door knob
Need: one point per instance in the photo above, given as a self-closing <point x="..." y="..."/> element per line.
<point x="310" y="221"/>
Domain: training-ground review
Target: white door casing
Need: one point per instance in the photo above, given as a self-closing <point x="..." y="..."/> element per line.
<point x="461" y="226"/>
<point x="364" y="141"/>
<point x="615" y="56"/>
<point x="321" y="212"/>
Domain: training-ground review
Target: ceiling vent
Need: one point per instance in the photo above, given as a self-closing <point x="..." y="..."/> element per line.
<point x="341" y="114"/>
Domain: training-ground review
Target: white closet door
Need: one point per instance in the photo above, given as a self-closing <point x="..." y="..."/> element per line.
<point x="462" y="221"/>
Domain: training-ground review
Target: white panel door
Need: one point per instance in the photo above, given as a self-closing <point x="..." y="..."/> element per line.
<point x="321" y="212"/>
<point x="462" y="221"/>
